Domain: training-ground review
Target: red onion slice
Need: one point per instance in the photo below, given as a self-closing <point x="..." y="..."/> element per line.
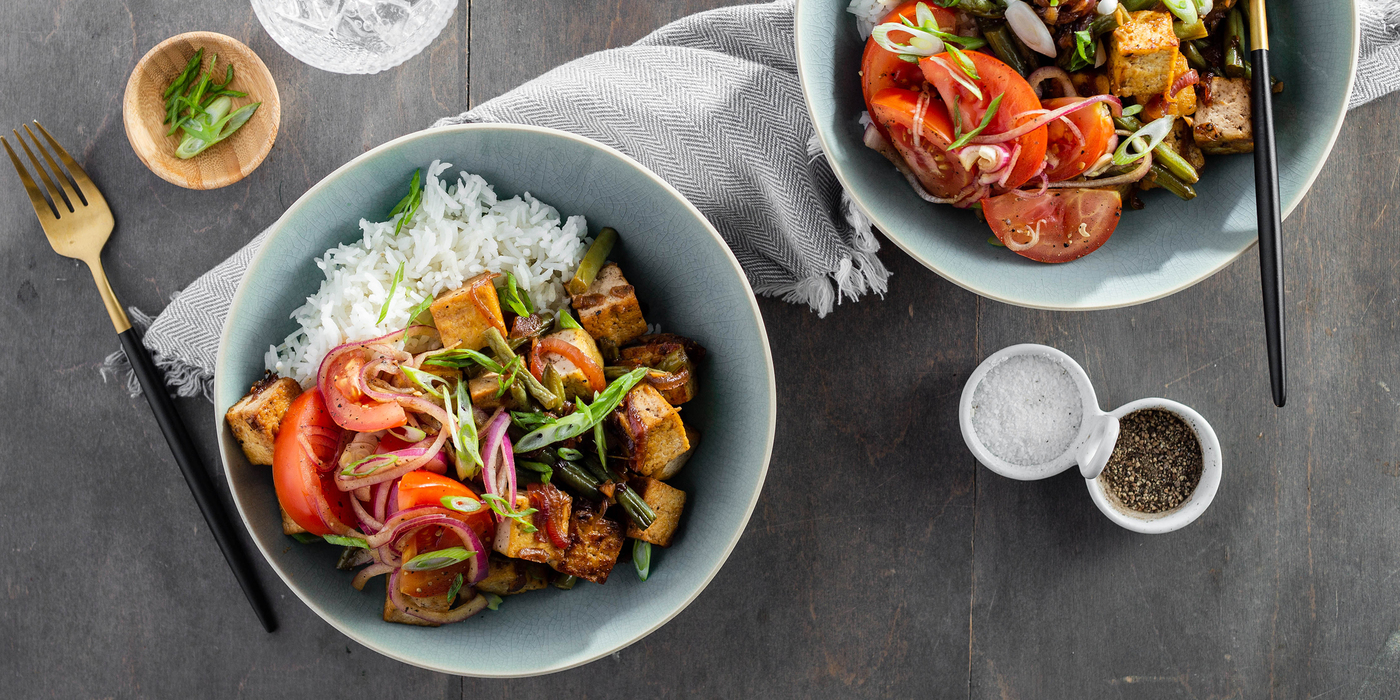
<point x="369" y="572"/>
<point x="462" y="612"/>
<point x="1114" y="103"/>
<point x="1137" y="174"/>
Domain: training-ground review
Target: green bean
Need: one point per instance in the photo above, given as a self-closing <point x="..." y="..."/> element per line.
<point x="579" y="481"/>
<point x="549" y="399"/>
<point x="1164" y="154"/>
<point x="1103" y="24"/>
<point x="999" y="37"/>
<point x="982" y="8"/>
<point x="1169" y="182"/>
<point x="1235" y="64"/>
<point x="1193" y="55"/>
<point x="636" y="508"/>
<point x="593" y="261"/>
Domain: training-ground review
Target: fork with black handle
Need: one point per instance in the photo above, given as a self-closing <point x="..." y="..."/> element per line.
<point x="77" y="222"/>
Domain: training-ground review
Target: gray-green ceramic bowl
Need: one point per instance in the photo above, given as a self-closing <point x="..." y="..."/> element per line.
<point x="692" y="284"/>
<point x="1167" y="247"/>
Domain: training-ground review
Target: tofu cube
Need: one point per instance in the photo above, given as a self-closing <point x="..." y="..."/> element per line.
<point x="596" y="543"/>
<point x="651" y="430"/>
<point x="575" y="380"/>
<point x="484" y="390"/>
<point x="668" y="502"/>
<point x="462" y="315"/>
<point x="257" y="417"/>
<point x="669" y="353"/>
<point x="692" y="436"/>
<point x="437" y="603"/>
<point x="1223" y="124"/>
<point x="1141" y="54"/>
<point x="512" y="576"/>
<point x="289" y="526"/>
<point x="515" y="542"/>
<point x="609" y="309"/>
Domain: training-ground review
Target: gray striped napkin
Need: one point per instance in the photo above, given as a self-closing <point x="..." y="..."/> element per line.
<point x="712" y="104"/>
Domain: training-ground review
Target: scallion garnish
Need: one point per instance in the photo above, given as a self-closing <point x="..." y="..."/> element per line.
<point x="440" y="559"/>
<point x="986" y="119"/>
<point x="346" y="541"/>
<point x="461" y="358"/>
<point x="600" y="440"/>
<point x="1185" y="10"/>
<point x="457" y="582"/>
<point x="566" y="320"/>
<point x="418" y="310"/>
<point x="1084" y="52"/>
<point x="461" y="504"/>
<point x="493" y="601"/>
<point x="528" y="420"/>
<point x="641" y="558"/>
<point x="570" y="454"/>
<point x="584" y="417"/>
<point x="202" y="108"/>
<point x="306" y="538"/>
<point x="354" y="469"/>
<point x="408" y="206"/>
<point x="1131" y="110"/>
<point x="464" y="438"/>
<point x="425" y="381"/>
<point x="393" y="287"/>
<point x="517" y="302"/>
<point x="925" y="37"/>
<point x="1143" y="140"/>
<point x="963" y="62"/>
<point x="545" y="471"/>
<point x="499" y="507"/>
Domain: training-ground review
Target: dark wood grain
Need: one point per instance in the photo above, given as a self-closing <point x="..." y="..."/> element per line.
<point x="881" y="562"/>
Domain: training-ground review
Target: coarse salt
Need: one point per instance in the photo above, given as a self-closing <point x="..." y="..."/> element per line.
<point x="1027" y="410"/>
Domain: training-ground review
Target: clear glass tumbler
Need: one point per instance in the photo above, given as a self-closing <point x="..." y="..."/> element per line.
<point x="354" y="36"/>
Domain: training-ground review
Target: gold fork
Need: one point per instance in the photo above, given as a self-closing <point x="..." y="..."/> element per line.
<point x="77" y="221"/>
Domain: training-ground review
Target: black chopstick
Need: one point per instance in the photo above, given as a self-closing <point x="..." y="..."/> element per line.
<point x="153" y="386"/>
<point x="1267" y="200"/>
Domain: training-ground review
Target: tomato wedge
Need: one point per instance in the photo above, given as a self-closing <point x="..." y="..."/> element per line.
<point x="994" y="79"/>
<point x="421" y="488"/>
<point x="940" y="173"/>
<point x="880" y="68"/>
<point x="1068" y="156"/>
<point x="1059" y="226"/>
<point x="300" y="488"/>
<point x="350" y="408"/>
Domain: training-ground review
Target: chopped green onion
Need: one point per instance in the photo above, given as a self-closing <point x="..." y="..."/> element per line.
<point x="641" y="558"/>
<point x="393" y="287"/>
<point x="425" y="380"/>
<point x="517" y="302"/>
<point x="527" y="421"/>
<point x="456" y="586"/>
<point x="493" y="601"/>
<point x="440" y="559"/>
<point x="545" y="471"/>
<point x="600" y="440"/>
<point x="570" y="453"/>
<point x="1185" y="10"/>
<point x="306" y="538"/>
<point x="986" y="119"/>
<point x="566" y="583"/>
<point x="462" y="358"/>
<point x="1084" y="52"/>
<point x="499" y="507"/>
<point x="353" y="469"/>
<point x="464" y="438"/>
<point x="585" y="417"/>
<point x="963" y="62"/>
<point x="420" y="309"/>
<point x="408" y="206"/>
<point x="566" y="320"/>
<point x="461" y="504"/>
<point x="1152" y="134"/>
<point x="1131" y="110"/>
<point x="993" y="240"/>
<point x="346" y="541"/>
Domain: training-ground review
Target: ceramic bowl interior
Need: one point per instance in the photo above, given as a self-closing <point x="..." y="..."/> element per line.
<point x="1027" y="472"/>
<point x="1201" y="498"/>
<point x="692" y="285"/>
<point x="1160" y="250"/>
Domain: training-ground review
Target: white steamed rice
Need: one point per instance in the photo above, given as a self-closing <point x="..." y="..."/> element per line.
<point x="869" y="13"/>
<point x="460" y="230"/>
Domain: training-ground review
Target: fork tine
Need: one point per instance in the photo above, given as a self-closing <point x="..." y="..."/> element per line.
<point x="66" y="184"/>
<point x="41" y="206"/>
<point x="59" y="202"/>
<point x="81" y="180"/>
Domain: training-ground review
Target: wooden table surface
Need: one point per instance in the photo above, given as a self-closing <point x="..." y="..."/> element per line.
<point x="881" y="561"/>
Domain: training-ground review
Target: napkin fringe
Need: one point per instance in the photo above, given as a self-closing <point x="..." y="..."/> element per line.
<point x="187" y="380"/>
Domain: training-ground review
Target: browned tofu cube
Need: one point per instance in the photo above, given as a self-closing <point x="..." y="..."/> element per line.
<point x="609" y="310"/>
<point x="486" y="394"/>
<point x="512" y="576"/>
<point x="515" y="541"/>
<point x="673" y="354"/>
<point x="257" y="417"/>
<point x="672" y="467"/>
<point x="668" y="502"/>
<point x="597" y="540"/>
<point x="575" y="380"/>
<point x="437" y="603"/>
<point x="651" y="430"/>
<point x="1141" y="54"/>
<point x="289" y="526"/>
<point x="1223" y="124"/>
<point x="462" y="315"/>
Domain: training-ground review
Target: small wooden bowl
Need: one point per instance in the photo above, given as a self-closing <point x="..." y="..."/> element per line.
<point x="224" y="163"/>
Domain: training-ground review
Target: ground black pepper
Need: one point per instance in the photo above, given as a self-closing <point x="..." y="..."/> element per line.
<point x="1156" y="463"/>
